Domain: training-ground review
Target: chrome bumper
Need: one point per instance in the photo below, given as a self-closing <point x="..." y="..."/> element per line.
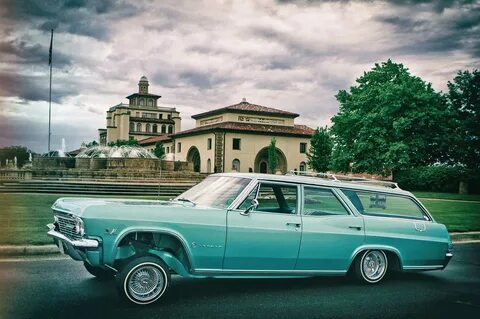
<point x="448" y="256"/>
<point x="73" y="248"/>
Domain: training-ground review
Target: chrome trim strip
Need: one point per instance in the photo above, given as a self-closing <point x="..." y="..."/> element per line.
<point x="81" y="243"/>
<point x="433" y="267"/>
<point x="262" y="271"/>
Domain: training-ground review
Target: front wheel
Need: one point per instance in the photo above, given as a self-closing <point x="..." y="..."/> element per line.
<point x="371" y="266"/>
<point x="99" y="273"/>
<point x="143" y="280"/>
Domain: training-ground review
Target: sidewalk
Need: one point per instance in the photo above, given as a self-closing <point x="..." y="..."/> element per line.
<point x="31" y="250"/>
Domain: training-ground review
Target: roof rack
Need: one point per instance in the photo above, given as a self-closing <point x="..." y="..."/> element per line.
<point x="345" y="178"/>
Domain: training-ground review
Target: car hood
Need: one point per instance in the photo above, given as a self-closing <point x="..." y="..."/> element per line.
<point x="78" y="206"/>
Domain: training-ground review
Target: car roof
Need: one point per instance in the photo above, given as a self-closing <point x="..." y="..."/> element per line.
<point x="311" y="180"/>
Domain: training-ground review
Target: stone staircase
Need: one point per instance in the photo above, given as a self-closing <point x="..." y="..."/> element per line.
<point x="104" y="187"/>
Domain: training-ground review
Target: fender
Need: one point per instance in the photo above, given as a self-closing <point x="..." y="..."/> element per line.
<point x="160" y="230"/>
<point x="380" y="247"/>
<point x="173" y="263"/>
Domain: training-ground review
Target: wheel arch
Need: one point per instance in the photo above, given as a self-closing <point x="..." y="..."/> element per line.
<point x="394" y="256"/>
<point x="174" y="235"/>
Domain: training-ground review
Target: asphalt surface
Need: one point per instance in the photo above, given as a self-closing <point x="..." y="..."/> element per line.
<point x="63" y="289"/>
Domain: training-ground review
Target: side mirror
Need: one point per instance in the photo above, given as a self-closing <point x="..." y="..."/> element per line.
<point x="253" y="205"/>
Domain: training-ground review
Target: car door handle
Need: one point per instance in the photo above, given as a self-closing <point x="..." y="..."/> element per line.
<point x="355" y="227"/>
<point x="297" y="225"/>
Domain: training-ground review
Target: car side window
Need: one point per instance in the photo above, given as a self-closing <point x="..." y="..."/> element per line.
<point x="277" y="198"/>
<point x="387" y="205"/>
<point x="321" y="202"/>
<point x="248" y="200"/>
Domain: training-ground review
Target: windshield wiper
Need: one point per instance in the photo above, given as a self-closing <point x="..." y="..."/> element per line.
<point x="183" y="199"/>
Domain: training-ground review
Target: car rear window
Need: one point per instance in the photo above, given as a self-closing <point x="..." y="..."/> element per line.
<point x="386" y="205"/>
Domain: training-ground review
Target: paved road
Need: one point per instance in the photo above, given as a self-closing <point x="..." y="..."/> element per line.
<point x="62" y="289"/>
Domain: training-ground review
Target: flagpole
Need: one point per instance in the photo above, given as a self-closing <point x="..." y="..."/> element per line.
<point x="50" y="92"/>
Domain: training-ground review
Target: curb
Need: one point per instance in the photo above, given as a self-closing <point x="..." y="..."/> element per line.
<point x="39" y="250"/>
<point x="30" y="250"/>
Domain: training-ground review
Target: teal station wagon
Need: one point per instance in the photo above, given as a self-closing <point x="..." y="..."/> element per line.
<point x="251" y="225"/>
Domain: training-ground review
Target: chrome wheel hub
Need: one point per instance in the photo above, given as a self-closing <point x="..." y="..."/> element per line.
<point x="374" y="265"/>
<point x="146" y="283"/>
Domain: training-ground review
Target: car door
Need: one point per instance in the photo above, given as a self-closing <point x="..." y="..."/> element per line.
<point x="331" y="232"/>
<point x="268" y="237"/>
<point x="398" y="221"/>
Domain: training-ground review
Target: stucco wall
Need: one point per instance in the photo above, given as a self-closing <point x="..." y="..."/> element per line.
<point x="251" y="145"/>
<point x="199" y="141"/>
<point x="234" y="117"/>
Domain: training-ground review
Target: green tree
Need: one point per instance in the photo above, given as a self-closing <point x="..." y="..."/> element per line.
<point x="10" y="152"/>
<point x="159" y="151"/>
<point x="390" y="121"/>
<point x="89" y="144"/>
<point x="129" y="142"/>
<point x="464" y="103"/>
<point x="272" y="156"/>
<point x="320" y="151"/>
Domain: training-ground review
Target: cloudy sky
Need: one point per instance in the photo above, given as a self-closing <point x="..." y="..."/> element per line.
<point x="199" y="55"/>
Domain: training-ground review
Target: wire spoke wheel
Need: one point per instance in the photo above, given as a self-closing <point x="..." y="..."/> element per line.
<point x="143" y="280"/>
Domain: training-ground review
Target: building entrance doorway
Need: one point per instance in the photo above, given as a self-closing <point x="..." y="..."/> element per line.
<point x="263" y="167"/>
<point x="193" y="156"/>
<point x="261" y="161"/>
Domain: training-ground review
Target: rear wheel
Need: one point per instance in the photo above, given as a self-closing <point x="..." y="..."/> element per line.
<point x="100" y="273"/>
<point x="371" y="266"/>
<point x="143" y="280"/>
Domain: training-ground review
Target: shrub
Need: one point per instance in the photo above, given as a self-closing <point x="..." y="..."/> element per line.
<point x="438" y="178"/>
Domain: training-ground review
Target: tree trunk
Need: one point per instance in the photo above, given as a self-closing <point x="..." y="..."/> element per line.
<point x="463" y="187"/>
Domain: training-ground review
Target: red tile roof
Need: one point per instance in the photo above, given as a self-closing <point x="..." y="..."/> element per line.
<point x="265" y="129"/>
<point x="245" y="107"/>
<point x="154" y="139"/>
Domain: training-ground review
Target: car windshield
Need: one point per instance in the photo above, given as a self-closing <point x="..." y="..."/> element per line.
<point x="215" y="191"/>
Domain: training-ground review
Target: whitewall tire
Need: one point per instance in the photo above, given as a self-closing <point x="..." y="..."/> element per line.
<point x="371" y="266"/>
<point x="143" y="280"/>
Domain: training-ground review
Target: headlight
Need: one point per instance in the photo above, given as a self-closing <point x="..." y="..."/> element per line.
<point x="79" y="227"/>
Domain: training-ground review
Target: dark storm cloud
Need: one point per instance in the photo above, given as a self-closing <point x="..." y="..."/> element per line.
<point x="29" y="53"/>
<point x="35" y="88"/>
<point x="199" y="79"/>
<point x="457" y="31"/>
<point x="87" y="17"/>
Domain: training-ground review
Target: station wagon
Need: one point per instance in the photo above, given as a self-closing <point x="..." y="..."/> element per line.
<point x="234" y="225"/>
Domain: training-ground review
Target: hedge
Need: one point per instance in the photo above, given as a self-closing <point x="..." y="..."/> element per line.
<point x="438" y="179"/>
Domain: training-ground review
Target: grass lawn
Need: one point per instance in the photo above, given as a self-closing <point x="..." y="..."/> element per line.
<point x="457" y="216"/>
<point x="23" y="216"/>
<point x="471" y="197"/>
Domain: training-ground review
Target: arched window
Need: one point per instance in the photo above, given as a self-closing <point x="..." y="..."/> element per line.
<point x="170" y="129"/>
<point x="142" y="102"/>
<point x="236" y="165"/>
<point x="164" y="129"/>
<point x="132" y="127"/>
<point x="155" y="128"/>
<point x="150" y="102"/>
<point x="139" y="127"/>
<point x="148" y="128"/>
<point x="303" y="167"/>
<point x="209" y="166"/>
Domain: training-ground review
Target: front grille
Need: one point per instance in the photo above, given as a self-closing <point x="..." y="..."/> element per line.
<point x="66" y="225"/>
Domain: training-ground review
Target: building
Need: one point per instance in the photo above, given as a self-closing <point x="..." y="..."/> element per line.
<point x="237" y="137"/>
<point x="140" y="119"/>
